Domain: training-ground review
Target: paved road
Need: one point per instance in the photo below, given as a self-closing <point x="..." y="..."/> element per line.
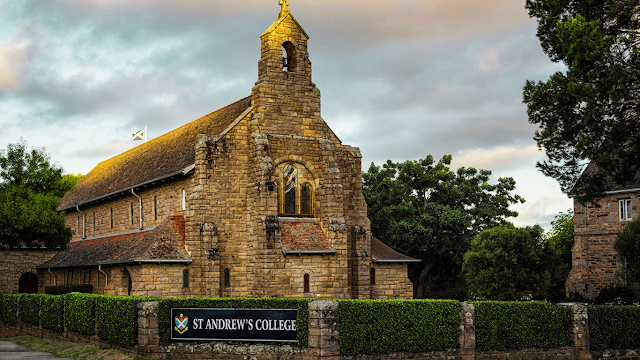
<point x="11" y="351"/>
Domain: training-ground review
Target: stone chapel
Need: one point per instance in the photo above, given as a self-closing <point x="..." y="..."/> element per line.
<point x="257" y="199"/>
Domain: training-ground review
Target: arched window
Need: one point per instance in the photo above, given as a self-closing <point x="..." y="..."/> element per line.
<point x="306" y="196"/>
<point x="288" y="56"/>
<point x="290" y="183"/>
<point x="296" y="200"/>
<point x="306" y="283"/>
<point x="126" y="280"/>
<point x="184" y="200"/>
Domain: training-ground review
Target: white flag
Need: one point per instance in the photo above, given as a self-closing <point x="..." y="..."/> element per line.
<point x="140" y="135"/>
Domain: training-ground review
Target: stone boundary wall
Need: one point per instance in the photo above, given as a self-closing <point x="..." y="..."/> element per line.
<point x="324" y="341"/>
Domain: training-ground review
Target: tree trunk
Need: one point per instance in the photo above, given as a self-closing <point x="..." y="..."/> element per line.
<point x="422" y="281"/>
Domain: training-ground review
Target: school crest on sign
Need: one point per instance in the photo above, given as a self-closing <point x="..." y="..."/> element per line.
<point x="181" y="324"/>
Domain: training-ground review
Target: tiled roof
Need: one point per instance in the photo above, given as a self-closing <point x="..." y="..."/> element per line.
<point x="612" y="187"/>
<point x="164" y="155"/>
<point x="383" y="253"/>
<point x="304" y="236"/>
<point x="165" y="242"/>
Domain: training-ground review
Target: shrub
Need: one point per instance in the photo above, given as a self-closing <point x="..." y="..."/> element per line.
<point x="615" y="295"/>
<point x="80" y="313"/>
<point x="52" y="314"/>
<point x="9" y="307"/>
<point x="613" y="327"/>
<point x="302" y="305"/>
<point x="29" y="308"/>
<point x="117" y="318"/>
<point x="387" y="326"/>
<point x="66" y="289"/>
<point x="521" y="325"/>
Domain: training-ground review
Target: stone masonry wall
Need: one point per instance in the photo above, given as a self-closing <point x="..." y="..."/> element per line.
<point x="15" y="263"/>
<point x="391" y="282"/>
<point x="594" y="260"/>
<point x="324" y="341"/>
<point x="98" y="216"/>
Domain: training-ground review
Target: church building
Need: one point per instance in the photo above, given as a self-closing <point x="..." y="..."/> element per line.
<point x="257" y="199"/>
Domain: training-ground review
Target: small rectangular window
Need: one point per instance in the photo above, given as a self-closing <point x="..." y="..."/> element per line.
<point x="185" y="278"/>
<point x="131" y="213"/>
<point x="624" y="207"/>
<point x="184" y="200"/>
<point x="227" y="278"/>
<point x="372" y="276"/>
<point x="94" y="222"/>
<point x="155" y="208"/>
<point x="306" y="283"/>
<point x="111" y="218"/>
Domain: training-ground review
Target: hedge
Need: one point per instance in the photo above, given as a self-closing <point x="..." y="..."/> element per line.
<point x="9" y="308"/>
<point x="80" y="313"/>
<point x="117" y="318"/>
<point x="302" y="305"/>
<point x="66" y="289"/>
<point x="506" y="325"/>
<point x="29" y="308"/>
<point x="387" y="326"/>
<point x="52" y="315"/>
<point x="613" y="327"/>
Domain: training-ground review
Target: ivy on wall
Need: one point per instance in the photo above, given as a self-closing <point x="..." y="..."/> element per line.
<point x="80" y="313"/>
<point x="387" y="326"/>
<point x="29" y="308"/>
<point x="508" y="325"/>
<point x="9" y="309"/>
<point x="613" y="327"/>
<point x="52" y="315"/>
<point x="117" y="318"/>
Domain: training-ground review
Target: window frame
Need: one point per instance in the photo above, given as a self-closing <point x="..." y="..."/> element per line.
<point x="624" y="209"/>
<point x="297" y="189"/>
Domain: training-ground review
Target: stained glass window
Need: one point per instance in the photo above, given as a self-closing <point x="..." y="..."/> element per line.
<point x="306" y="200"/>
<point x="290" y="176"/>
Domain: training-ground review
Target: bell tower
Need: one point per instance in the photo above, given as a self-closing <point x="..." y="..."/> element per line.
<point x="284" y="92"/>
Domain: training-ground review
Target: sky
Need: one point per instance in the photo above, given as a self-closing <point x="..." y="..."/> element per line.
<point x="399" y="79"/>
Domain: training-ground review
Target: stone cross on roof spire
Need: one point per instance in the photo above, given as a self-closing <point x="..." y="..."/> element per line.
<point x="284" y="4"/>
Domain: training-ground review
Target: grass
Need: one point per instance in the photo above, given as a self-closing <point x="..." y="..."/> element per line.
<point x="71" y="350"/>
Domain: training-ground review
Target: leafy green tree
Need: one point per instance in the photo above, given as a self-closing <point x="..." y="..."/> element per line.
<point x="588" y="113"/>
<point x="561" y="235"/>
<point x="509" y="263"/>
<point x="429" y="212"/>
<point x="30" y="191"/>
<point x="627" y="245"/>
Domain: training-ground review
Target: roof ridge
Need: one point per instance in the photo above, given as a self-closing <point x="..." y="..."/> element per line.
<point x="171" y="131"/>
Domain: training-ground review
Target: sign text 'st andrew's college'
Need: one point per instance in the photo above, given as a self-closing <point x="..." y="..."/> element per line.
<point x="234" y="324"/>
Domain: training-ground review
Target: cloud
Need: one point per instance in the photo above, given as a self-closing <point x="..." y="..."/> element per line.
<point x="495" y="158"/>
<point x="12" y="57"/>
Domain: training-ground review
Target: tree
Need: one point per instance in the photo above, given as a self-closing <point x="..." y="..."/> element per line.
<point x="589" y="113"/>
<point x="627" y="245"/>
<point x="561" y="236"/>
<point x="30" y="191"/>
<point x="510" y="264"/>
<point x="427" y="211"/>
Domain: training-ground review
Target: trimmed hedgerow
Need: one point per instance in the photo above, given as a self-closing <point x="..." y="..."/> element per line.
<point x="29" y="308"/>
<point x="52" y="314"/>
<point x="613" y="327"/>
<point x="507" y="325"/>
<point x="302" y="305"/>
<point x="9" y="308"/>
<point x="80" y="313"/>
<point x="387" y="326"/>
<point x="66" y="289"/>
<point x="117" y="318"/>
